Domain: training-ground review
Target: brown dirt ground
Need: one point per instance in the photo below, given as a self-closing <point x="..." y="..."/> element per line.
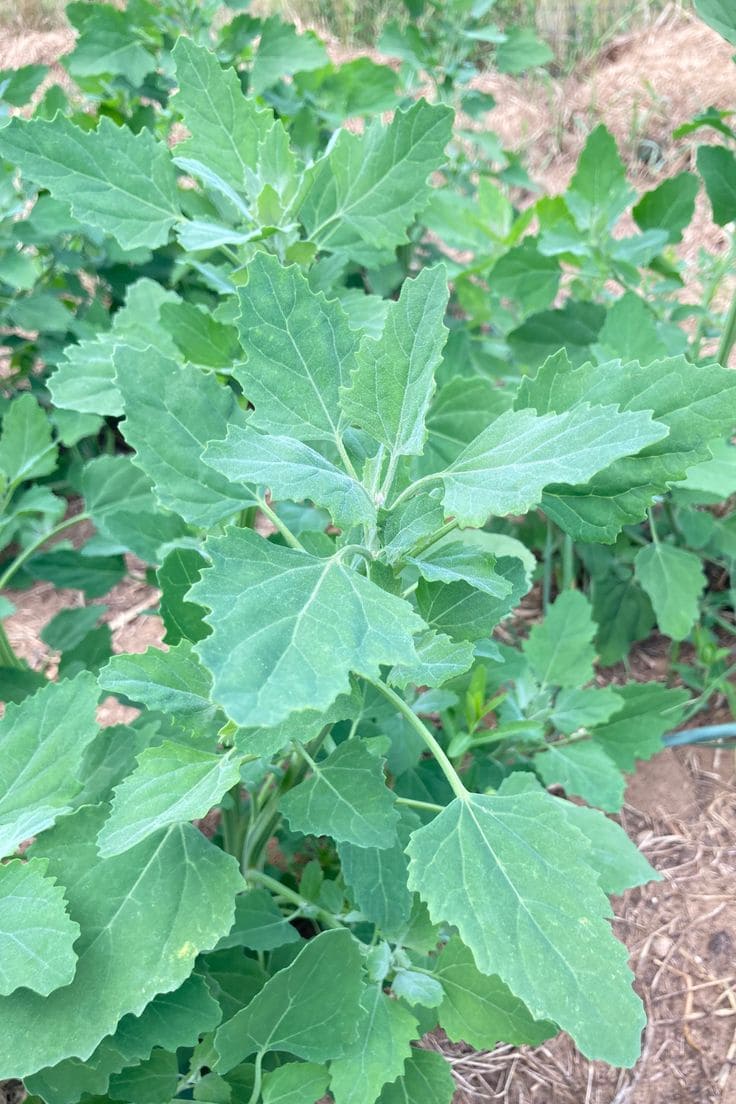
<point x="681" y="808"/>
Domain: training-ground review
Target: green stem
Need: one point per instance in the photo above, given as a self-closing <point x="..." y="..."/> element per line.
<point x="283" y="529"/>
<point x="347" y="462"/>
<point x="412" y="804"/>
<point x="728" y="339"/>
<point x="423" y="545"/>
<point x="355" y="550"/>
<point x="412" y="489"/>
<point x="410" y="716"/>
<point x="724" y="266"/>
<point x="568" y="563"/>
<point x="247" y="517"/>
<point x="258" y="1079"/>
<point x="8" y="658"/>
<point x="390" y="476"/>
<point x="233" y="825"/>
<point x="28" y="552"/>
<point x="547" y="576"/>
<point x="287" y="894"/>
<point x="652" y="527"/>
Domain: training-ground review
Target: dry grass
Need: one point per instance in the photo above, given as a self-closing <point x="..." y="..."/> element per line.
<point x="31" y="15"/>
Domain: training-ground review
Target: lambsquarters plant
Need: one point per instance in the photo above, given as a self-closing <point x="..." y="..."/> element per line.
<point x="365" y="878"/>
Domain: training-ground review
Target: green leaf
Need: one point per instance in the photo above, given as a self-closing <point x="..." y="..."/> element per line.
<point x="617" y="861"/>
<point x="526" y="276"/>
<point x="26" y="447"/>
<point x="172" y="783"/>
<point x="18" y="85"/>
<point x="283" y="52"/>
<point x="460" y="411"/>
<point x="717" y="166"/>
<point x="120" y="501"/>
<point x="377" y="877"/>
<point x="157" y="905"/>
<point x="121" y="182"/>
<point x="291" y="470"/>
<point x="576" y="709"/>
<point x="151" y="1081"/>
<point x="357" y="87"/>
<point x="107" y="44"/>
<point x="295" y="1083"/>
<point x="172" y="682"/>
<point x="481" y="1010"/>
<point x="299" y="347"/>
<point x="585" y="770"/>
<point x="411" y="522"/>
<point x="719" y="15"/>
<point x="252" y="656"/>
<point x="69" y="627"/>
<point x="636" y="730"/>
<point x="42" y="741"/>
<point x="504" y="470"/>
<point x="36" y="934"/>
<point x="716" y="476"/>
<point x="574" y="327"/>
<point x="692" y="402"/>
<point x="623" y="613"/>
<point x="68" y="567"/>
<point x="674" y="580"/>
<point x="258" y="924"/>
<point x="183" y="620"/>
<point x="521" y="50"/>
<point x="225" y="128"/>
<point x="377" y="1058"/>
<point x="559" y="648"/>
<point x="188" y="409"/>
<point x="455" y="561"/>
<point x="426" y="1080"/>
<point x="438" y="659"/>
<point x="630" y="332"/>
<point x="417" y="988"/>
<point x="199" y="337"/>
<point x="301" y="727"/>
<point x="599" y="191"/>
<point x="171" y="1020"/>
<point x="392" y="383"/>
<point x="361" y="196"/>
<point x="346" y="797"/>
<point x="670" y="206"/>
<point x="85" y="378"/>
<point x="234" y="980"/>
<point x="89" y="655"/>
<point x="512" y="874"/>
<point x="464" y="613"/>
<point x="310" y="1009"/>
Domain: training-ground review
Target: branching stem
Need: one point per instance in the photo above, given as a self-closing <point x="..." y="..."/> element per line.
<point x="283" y="891"/>
<point x="283" y="529"/>
<point x="28" y="552"/>
<point x="410" y="716"/>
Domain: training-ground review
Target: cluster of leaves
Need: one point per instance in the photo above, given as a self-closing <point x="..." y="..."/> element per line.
<point x="560" y="275"/>
<point x="330" y="472"/>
